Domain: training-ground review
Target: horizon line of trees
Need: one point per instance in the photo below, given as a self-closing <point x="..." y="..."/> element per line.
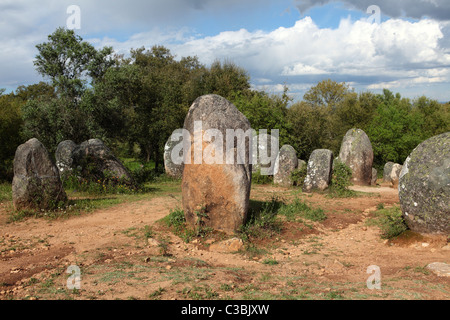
<point x="134" y="103"/>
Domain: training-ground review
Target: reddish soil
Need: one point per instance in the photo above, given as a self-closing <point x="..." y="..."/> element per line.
<point x="320" y="260"/>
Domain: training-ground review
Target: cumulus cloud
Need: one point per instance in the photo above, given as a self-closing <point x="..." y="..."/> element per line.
<point x="417" y="9"/>
<point x="396" y="53"/>
<point x="393" y="54"/>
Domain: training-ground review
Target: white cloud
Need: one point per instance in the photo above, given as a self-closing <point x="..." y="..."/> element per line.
<point x="396" y="53"/>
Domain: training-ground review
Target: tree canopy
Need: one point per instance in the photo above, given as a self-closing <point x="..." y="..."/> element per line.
<point x="134" y="103"/>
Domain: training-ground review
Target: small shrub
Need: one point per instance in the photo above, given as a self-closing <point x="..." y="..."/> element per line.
<point x="340" y="180"/>
<point x="258" y="178"/>
<point x="298" y="176"/>
<point x="177" y="222"/>
<point x="262" y="220"/>
<point x="390" y="221"/>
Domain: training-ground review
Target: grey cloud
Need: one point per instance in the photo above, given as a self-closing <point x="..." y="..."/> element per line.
<point x="435" y="9"/>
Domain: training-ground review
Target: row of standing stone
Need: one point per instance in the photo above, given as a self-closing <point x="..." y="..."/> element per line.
<point x="218" y="195"/>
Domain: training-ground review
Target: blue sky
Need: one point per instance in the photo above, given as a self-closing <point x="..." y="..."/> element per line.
<point x="293" y="42"/>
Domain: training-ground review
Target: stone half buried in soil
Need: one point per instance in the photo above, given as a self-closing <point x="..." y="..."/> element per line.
<point x="424" y="186"/>
<point x="216" y="195"/>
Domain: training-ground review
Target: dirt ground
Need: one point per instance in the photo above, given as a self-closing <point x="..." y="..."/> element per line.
<point x="322" y="260"/>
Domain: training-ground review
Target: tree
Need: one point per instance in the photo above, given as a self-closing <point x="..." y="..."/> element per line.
<point x="326" y="94"/>
<point x="10" y="135"/>
<point x="63" y="110"/>
<point x="68" y="60"/>
<point x="394" y="130"/>
<point x="226" y="79"/>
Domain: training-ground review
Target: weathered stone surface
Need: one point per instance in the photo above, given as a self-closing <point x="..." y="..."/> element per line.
<point x="424" y="186"/>
<point x="264" y="158"/>
<point x="100" y="160"/>
<point x="227" y="246"/>
<point x="395" y="174"/>
<point x="173" y="169"/>
<point x="216" y="193"/>
<point x="441" y="269"/>
<point x="391" y="173"/>
<point x="285" y="163"/>
<point x="319" y="170"/>
<point x="301" y="163"/>
<point x="63" y="156"/>
<point x="387" y="171"/>
<point x="357" y="153"/>
<point x="36" y="183"/>
<point x="374" y="177"/>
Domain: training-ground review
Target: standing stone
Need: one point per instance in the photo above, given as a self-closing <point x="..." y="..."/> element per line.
<point x="319" y="170"/>
<point x="395" y="174"/>
<point x="63" y="156"/>
<point x="391" y="173"/>
<point x="285" y="163"/>
<point x="374" y="177"/>
<point x="172" y="169"/>
<point x="424" y="186"/>
<point x="265" y="152"/>
<point x="357" y="153"/>
<point x="36" y="183"/>
<point x="97" y="161"/>
<point x="216" y="192"/>
<point x="387" y="171"/>
<point x="301" y="164"/>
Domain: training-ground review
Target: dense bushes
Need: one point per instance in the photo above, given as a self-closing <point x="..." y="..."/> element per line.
<point x="137" y="102"/>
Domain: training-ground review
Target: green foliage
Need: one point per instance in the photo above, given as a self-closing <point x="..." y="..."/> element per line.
<point x="262" y="220"/>
<point x="298" y="176"/>
<point x="258" y="178"/>
<point x="66" y="59"/>
<point x="139" y="101"/>
<point x="390" y="221"/>
<point x="109" y="184"/>
<point x="340" y="180"/>
<point x="10" y="133"/>
<point x="177" y="222"/>
<point x="298" y="210"/>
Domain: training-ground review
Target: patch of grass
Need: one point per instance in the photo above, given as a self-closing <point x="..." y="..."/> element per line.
<point x="258" y="178"/>
<point x="270" y="262"/>
<point x="177" y="222"/>
<point x="157" y="293"/>
<point x="262" y="220"/>
<point x="199" y="293"/>
<point x="298" y="209"/>
<point x="5" y="192"/>
<point x="390" y="221"/>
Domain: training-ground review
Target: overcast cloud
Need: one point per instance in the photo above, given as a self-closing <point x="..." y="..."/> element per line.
<point x="434" y="9"/>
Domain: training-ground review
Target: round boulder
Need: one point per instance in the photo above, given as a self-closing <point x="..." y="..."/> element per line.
<point x="357" y="153"/>
<point x="97" y="162"/>
<point x="424" y="186"/>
